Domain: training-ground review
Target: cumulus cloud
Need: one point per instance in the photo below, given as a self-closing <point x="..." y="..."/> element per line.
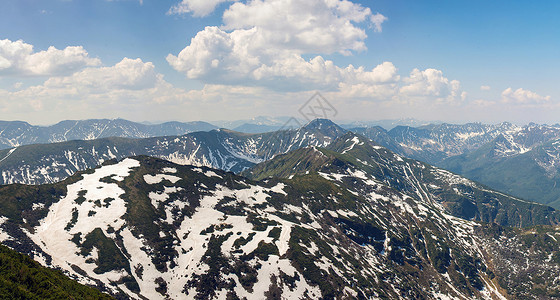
<point x="124" y="82"/>
<point x="18" y="59"/>
<point x="199" y="8"/>
<point x="281" y="45"/>
<point x="366" y="91"/>
<point x="524" y="97"/>
<point x="377" y="20"/>
<point x="432" y="84"/>
<point x="262" y="42"/>
<point x="312" y="26"/>
<point x="129" y="74"/>
<point x="216" y="57"/>
<point x="485" y="88"/>
<point x="129" y="89"/>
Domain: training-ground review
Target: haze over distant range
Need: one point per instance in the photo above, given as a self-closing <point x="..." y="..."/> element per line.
<point x="188" y="60"/>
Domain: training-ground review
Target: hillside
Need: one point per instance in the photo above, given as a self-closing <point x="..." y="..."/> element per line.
<point x="532" y="175"/>
<point x="461" y="197"/>
<point x="355" y="221"/>
<point x="24" y="278"/>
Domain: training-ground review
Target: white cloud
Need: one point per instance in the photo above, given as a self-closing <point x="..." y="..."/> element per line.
<point x="128" y="74"/>
<point x="485" y="88"/>
<point x="431" y="83"/>
<point x="366" y="91"/>
<point x="216" y="56"/>
<point x="262" y="43"/>
<point x="130" y="84"/>
<point x="199" y="8"/>
<point x="377" y="20"/>
<point x="521" y="96"/>
<point x="281" y="45"/>
<point x="18" y="59"/>
<point x="312" y="26"/>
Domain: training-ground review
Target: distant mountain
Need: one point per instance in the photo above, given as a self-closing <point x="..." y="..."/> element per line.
<point x="351" y="221"/>
<point x="519" y="160"/>
<point x="254" y="128"/>
<point x="489" y="154"/>
<point x="389" y="124"/>
<point x="531" y="174"/>
<point x="263" y="121"/>
<point x="223" y="149"/>
<point x="14" y="134"/>
<point x="434" y="143"/>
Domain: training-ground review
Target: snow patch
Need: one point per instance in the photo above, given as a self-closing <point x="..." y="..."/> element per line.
<point x="57" y="229"/>
<point x="3" y="236"/>
<point x="169" y="170"/>
<point x="155" y="179"/>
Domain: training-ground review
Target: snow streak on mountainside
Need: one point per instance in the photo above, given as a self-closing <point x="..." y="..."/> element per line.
<point x="15" y="134"/>
<point x="363" y="224"/>
<point x="460" y="197"/>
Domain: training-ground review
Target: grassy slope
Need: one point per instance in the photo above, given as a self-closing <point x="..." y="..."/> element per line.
<point x="23" y="278"/>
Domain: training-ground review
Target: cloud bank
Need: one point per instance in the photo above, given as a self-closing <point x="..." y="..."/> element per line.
<point x="18" y="59"/>
<point x="264" y="43"/>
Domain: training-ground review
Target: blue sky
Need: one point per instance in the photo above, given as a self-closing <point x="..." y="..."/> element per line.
<point x="155" y="60"/>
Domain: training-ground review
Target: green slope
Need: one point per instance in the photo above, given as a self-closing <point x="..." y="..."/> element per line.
<point x="23" y="278"/>
<point x="460" y="197"/>
<point x="519" y="175"/>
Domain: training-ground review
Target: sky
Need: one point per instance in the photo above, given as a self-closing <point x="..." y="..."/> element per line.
<point x="189" y="60"/>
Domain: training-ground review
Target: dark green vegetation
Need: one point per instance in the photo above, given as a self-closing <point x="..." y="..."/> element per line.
<point x="110" y="257"/>
<point x="23" y="278"/>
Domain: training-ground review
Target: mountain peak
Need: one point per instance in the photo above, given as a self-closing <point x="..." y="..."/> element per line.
<point x="318" y="123"/>
<point x="325" y="126"/>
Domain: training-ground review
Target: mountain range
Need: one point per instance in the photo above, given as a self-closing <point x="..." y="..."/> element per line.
<point x="16" y="133"/>
<point x="346" y="218"/>
<point x="520" y="160"/>
<point x="489" y="154"/>
<point x="223" y="149"/>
